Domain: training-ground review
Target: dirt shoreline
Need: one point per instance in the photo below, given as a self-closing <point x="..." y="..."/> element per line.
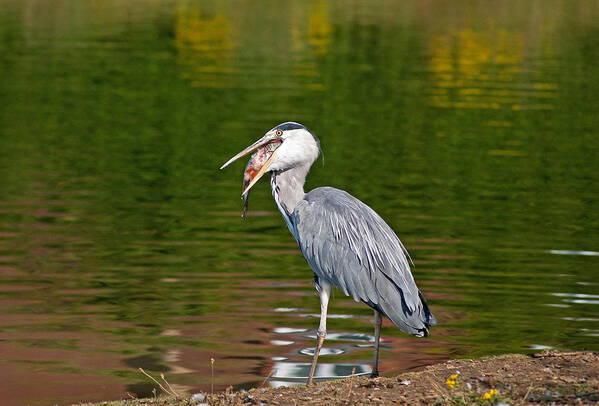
<point x="549" y="377"/>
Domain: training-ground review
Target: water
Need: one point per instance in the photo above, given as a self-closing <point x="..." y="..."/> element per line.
<point x="471" y="128"/>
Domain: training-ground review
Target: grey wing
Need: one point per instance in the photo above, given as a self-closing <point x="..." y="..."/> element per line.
<point x="348" y="245"/>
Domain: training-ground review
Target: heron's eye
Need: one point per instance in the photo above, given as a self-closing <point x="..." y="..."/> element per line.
<point x="279" y="133"/>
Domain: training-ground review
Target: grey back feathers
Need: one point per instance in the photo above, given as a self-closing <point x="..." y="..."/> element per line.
<point x="349" y="245"/>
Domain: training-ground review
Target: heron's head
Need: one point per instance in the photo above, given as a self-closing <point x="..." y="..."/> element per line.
<point x="286" y="146"/>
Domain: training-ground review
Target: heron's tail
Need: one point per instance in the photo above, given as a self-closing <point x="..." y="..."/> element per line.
<point x="430" y="319"/>
<point x="415" y="322"/>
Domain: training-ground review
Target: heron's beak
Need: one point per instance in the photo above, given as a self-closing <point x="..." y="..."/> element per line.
<point x="260" y="161"/>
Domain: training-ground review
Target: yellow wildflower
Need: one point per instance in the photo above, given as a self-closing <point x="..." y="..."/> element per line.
<point x="451" y="381"/>
<point x="488" y="395"/>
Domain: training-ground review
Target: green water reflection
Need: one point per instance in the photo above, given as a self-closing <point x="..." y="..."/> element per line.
<point x="471" y="128"/>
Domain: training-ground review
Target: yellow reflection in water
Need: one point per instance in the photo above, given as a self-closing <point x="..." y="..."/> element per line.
<point x="216" y="50"/>
<point x="319" y="27"/>
<point x="202" y="33"/>
<point x="482" y="69"/>
<point x="203" y="43"/>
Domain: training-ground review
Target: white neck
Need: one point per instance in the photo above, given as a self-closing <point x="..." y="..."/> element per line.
<point x="288" y="189"/>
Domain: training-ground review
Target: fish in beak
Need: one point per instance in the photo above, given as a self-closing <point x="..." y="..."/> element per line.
<point x="263" y="154"/>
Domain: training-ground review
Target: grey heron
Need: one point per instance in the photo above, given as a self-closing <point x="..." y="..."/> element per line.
<point x="345" y="242"/>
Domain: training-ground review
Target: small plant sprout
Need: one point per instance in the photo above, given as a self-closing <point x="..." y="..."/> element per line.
<point x="169" y="391"/>
<point x="351" y="383"/>
<point x="212" y="375"/>
<point x="268" y="377"/>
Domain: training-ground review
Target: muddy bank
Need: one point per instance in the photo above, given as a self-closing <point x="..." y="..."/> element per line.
<point x="548" y="377"/>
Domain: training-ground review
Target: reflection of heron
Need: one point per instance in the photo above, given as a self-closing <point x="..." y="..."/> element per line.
<point x="344" y="241"/>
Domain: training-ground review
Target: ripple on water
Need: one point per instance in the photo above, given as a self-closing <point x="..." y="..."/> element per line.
<point x="576" y="295"/>
<point x="281" y="342"/>
<point x="301" y="370"/>
<point x="580" y="318"/>
<point x="347" y="337"/>
<point x="573" y="252"/>
<point x="323" y="351"/>
<point x="578" y="298"/>
<point x="540" y="347"/>
<point x="280" y="384"/>
<point x="289" y="330"/>
<point x="286" y="309"/>
<point x="582" y="301"/>
<point x="329" y="316"/>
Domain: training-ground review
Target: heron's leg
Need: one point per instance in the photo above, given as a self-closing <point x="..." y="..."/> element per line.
<point x="378" y="321"/>
<point x="324" y="290"/>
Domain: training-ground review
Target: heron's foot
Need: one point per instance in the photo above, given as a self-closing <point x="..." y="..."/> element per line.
<point x="320" y="335"/>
